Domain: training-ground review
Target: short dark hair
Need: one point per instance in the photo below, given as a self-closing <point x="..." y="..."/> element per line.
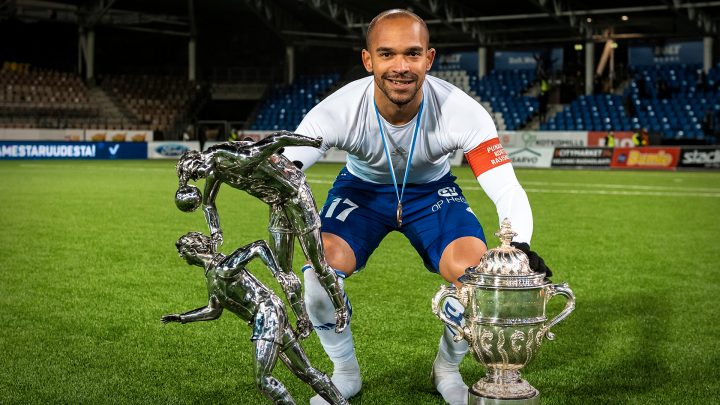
<point x="393" y="13"/>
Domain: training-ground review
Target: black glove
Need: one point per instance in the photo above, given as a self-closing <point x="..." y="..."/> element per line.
<point x="537" y="264"/>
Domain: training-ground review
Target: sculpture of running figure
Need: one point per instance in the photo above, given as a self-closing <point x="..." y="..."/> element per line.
<point x="232" y="287"/>
<point x="255" y="168"/>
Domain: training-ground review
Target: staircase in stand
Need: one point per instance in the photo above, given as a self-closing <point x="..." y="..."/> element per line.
<point x="110" y="114"/>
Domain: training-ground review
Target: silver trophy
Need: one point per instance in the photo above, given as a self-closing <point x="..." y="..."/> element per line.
<point x="230" y="286"/>
<point x="257" y="168"/>
<point x="504" y="320"/>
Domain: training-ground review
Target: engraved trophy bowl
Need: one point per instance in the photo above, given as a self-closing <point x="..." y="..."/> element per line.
<point x="504" y="319"/>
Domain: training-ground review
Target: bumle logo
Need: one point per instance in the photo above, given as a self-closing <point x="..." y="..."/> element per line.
<point x="447" y="192"/>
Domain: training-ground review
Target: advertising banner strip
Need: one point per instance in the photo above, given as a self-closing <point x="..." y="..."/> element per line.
<point x="585" y="157"/>
<point x="651" y="157"/>
<point x="75" y="135"/>
<point x="545" y="139"/>
<point x="700" y="157"/>
<point x="98" y="135"/>
<point x="171" y="149"/>
<point x="530" y="157"/>
<point x="72" y="150"/>
<point x="623" y="139"/>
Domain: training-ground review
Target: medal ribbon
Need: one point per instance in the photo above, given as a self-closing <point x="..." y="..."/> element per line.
<point x="399" y="193"/>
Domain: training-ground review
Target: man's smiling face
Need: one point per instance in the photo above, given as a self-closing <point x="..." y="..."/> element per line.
<point x="398" y="57"/>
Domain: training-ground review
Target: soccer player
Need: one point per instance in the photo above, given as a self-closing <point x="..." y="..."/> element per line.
<point x="232" y="287"/>
<point x="398" y="127"/>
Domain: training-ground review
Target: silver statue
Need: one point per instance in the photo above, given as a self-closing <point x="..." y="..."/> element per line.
<point x="230" y="286"/>
<point x="255" y="168"/>
<point x="504" y="320"/>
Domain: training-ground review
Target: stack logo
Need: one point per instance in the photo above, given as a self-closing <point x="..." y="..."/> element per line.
<point x="699" y="157"/>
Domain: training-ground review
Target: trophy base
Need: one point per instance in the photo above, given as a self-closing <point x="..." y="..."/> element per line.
<point x="479" y="400"/>
<point x="503" y="387"/>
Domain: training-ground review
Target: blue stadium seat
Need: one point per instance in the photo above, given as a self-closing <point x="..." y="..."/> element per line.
<point x="285" y="107"/>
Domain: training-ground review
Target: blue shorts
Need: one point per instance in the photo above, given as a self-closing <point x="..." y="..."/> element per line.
<point x="434" y="214"/>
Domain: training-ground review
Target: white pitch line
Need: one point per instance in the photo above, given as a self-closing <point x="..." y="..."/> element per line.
<point x="101" y="167"/>
<point x="626" y="192"/>
<point x="623" y="186"/>
<point x="675" y="191"/>
<point x="607" y="185"/>
<point x="625" y="189"/>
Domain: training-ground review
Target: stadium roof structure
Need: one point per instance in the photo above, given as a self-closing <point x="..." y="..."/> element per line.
<point x="341" y="23"/>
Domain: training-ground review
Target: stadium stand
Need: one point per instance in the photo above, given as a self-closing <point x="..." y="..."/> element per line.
<point x="505" y="89"/>
<point x="669" y="100"/>
<point x="286" y="105"/>
<point x="675" y="101"/>
<point x="37" y="98"/>
<point x="32" y="98"/>
<point x="159" y="103"/>
<point x="666" y="99"/>
<point x="463" y="80"/>
<point x="597" y="112"/>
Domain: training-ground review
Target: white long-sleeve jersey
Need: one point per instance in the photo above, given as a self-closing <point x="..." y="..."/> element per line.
<point x="450" y="120"/>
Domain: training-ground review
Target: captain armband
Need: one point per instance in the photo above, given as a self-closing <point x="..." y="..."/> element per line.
<point x="488" y="155"/>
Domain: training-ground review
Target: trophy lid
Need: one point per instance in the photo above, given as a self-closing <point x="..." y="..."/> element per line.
<point x="504" y="265"/>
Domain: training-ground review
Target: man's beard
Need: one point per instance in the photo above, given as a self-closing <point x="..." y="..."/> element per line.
<point x="402" y="98"/>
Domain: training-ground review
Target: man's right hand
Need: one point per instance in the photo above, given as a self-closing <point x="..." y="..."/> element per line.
<point x="342" y="317"/>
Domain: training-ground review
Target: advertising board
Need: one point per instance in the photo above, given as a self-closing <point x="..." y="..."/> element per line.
<point x="72" y="150"/>
<point x="650" y="157"/>
<point x="584" y="157"/>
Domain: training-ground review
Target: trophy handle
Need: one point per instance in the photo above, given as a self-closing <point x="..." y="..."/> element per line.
<point x="559" y="289"/>
<point x="441" y="295"/>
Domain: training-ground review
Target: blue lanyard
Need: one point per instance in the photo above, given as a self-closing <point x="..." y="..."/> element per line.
<point x="399" y="194"/>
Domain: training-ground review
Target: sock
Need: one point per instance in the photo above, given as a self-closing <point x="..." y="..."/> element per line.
<point x="338" y="346"/>
<point x="445" y="372"/>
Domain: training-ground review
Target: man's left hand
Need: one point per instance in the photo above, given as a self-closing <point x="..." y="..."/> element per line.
<point x="537" y="264"/>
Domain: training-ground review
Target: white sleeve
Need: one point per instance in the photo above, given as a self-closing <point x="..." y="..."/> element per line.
<point x="304" y="154"/>
<point x="511" y="202"/>
<point x="317" y="123"/>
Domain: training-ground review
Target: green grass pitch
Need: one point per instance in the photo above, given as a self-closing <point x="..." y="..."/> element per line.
<point x="88" y="266"/>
